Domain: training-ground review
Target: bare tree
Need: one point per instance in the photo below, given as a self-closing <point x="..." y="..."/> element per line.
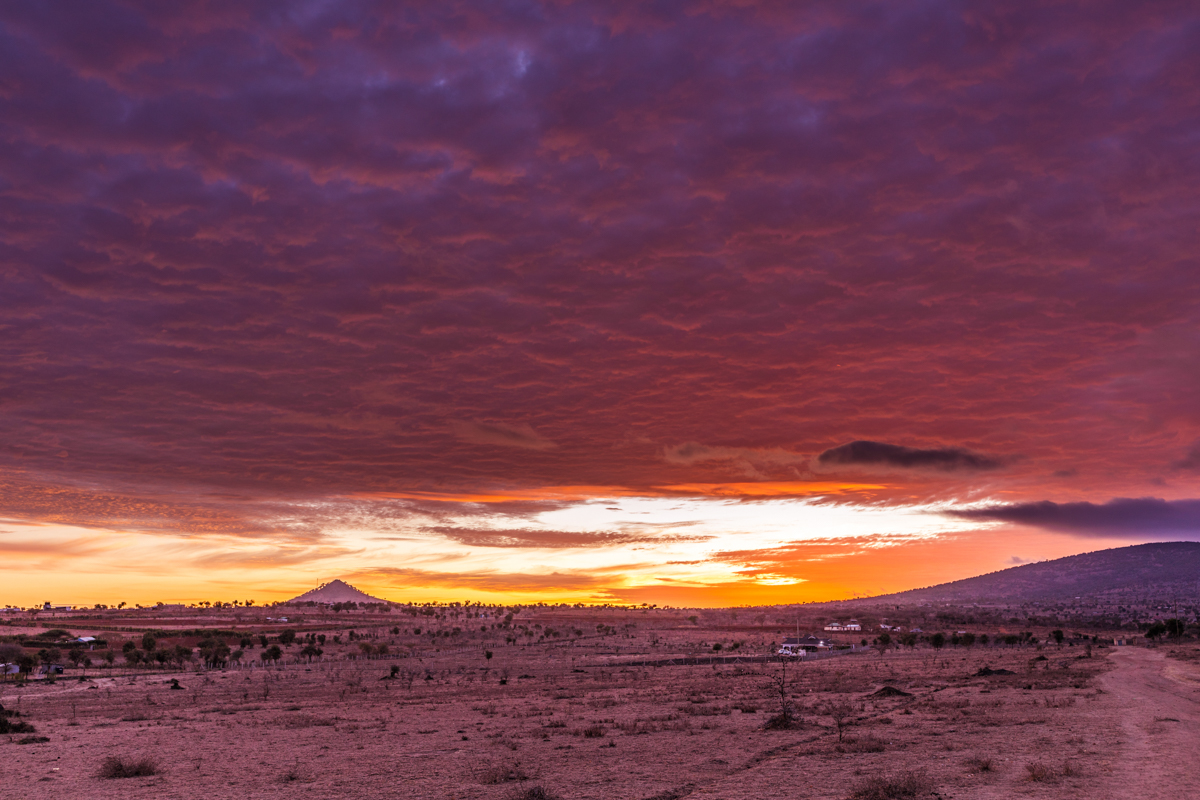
<point x="787" y="712"/>
<point x="842" y="714"/>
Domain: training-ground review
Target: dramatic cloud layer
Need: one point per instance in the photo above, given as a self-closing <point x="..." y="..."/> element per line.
<point x="261" y="258"/>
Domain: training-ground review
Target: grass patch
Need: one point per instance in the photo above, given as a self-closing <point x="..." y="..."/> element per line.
<point x="33" y="740"/>
<point x="505" y="772"/>
<point x="118" y="767"/>
<point x="535" y="792"/>
<point x="906" y="785"/>
<point x="1039" y="772"/>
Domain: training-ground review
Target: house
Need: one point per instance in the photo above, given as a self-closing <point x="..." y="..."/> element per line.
<point x="50" y="669"/>
<point x="85" y="639"/>
<point x="48" y="607"/>
<point x="803" y="644"/>
<point x="852" y="625"/>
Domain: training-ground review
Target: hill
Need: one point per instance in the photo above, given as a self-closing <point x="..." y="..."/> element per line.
<point x="336" y="591"/>
<point x="1161" y="570"/>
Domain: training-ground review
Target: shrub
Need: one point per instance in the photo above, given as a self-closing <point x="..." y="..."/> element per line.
<point x="502" y="773"/>
<point x="33" y="740"/>
<point x="896" y="787"/>
<point x="593" y="732"/>
<point x="1039" y="772"/>
<point x="8" y="726"/>
<point x="981" y="764"/>
<point x="118" y="767"/>
<point x="535" y="792"/>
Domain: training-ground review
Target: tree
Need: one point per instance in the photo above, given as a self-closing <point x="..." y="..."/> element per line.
<point x="1156" y="630"/>
<point x="10" y="654"/>
<point x="938" y="640"/>
<point x="181" y="654"/>
<point x="1175" y="628"/>
<point x="148" y="642"/>
<point x="842" y="714"/>
<point x="311" y="651"/>
<point x="109" y="657"/>
<point x="787" y="712"/>
<point x="883" y="643"/>
<point x="272" y="654"/>
<point x="76" y="656"/>
<point x="287" y="637"/>
<point x="214" y="652"/>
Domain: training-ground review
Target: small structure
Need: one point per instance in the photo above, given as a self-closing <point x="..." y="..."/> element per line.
<point x="50" y="669"/>
<point x="852" y="625"/>
<point x="48" y="607"/>
<point x="9" y="669"/>
<point x="799" y="645"/>
<point x="85" y="639"/>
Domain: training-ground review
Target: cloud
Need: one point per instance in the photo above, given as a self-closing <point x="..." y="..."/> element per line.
<point x="521" y="436"/>
<point x="482" y="580"/>
<point x="528" y="538"/>
<point x="948" y="459"/>
<point x="243" y="256"/>
<point x="1147" y="517"/>
<point x="1191" y="461"/>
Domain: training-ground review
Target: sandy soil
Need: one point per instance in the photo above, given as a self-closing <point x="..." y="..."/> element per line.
<point x="585" y="724"/>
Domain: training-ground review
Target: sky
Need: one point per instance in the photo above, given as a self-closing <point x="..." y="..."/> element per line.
<point x="699" y="304"/>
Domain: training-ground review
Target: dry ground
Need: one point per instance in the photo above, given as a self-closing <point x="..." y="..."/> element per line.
<point x="583" y="724"/>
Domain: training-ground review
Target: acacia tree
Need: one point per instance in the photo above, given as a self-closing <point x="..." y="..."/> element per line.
<point x="883" y="643"/>
<point x="10" y="654"/>
<point x="842" y="714"/>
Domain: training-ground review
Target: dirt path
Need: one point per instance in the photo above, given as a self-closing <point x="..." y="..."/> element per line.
<point x="1153" y="710"/>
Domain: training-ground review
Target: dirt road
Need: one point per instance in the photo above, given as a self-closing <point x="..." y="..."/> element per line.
<point x="1153" y="710"/>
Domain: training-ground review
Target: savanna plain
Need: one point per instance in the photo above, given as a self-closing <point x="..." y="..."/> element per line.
<point x="588" y="704"/>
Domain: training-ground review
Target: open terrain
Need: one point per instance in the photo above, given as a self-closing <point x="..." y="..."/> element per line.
<point x="645" y="709"/>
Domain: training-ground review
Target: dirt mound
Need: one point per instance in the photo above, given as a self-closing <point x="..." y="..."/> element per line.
<point x="986" y="671"/>
<point x="891" y="691"/>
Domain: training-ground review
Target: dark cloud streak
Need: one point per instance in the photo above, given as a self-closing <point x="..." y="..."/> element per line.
<point x="891" y="455"/>
<point x="1143" y="517"/>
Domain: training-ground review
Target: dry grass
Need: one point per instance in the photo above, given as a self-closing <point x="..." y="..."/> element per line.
<point x="535" y="792"/>
<point x="1040" y="772"/>
<point x="906" y="785"/>
<point x="503" y="772"/>
<point x="118" y="767"/>
<point x="981" y="765"/>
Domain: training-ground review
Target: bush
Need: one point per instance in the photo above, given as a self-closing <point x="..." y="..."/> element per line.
<point x="1039" y="772"/>
<point x="981" y="764"/>
<point x="897" y="787"/>
<point x="8" y="726"/>
<point x="33" y="740"/>
<point x="535" y="792"/>
<point x="502" y="773"/>
<point x="118" y="767"/>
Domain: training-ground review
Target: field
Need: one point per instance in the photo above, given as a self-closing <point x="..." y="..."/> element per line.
<point x="607" y="716"/>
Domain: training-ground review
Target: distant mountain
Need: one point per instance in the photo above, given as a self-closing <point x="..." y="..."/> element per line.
<point x="336" y="591"/>
<point x="1160" y="570"/>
